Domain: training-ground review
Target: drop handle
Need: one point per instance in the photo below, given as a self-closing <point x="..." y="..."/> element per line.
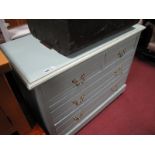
<point x="80" y="81"/>
<point x="121" y="53"/>
<point x="115" y="87"/>
<point x="80" y="101"/>
<point x="76" y="82"/>
<point x="83" y="77"/>
<point x="119" y="71"/>
<point x="124" y="50"/>
<point x="77" y="118"/>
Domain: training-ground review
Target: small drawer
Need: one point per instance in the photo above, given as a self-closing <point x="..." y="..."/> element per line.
<point x="73" y="78"/>
<point x="120" y="50"/>
<point x="75" y="118"/>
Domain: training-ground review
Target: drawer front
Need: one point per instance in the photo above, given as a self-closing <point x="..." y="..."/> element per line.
<point x="120" y="50"/>
<point x="61" y="110"/>
<point x="76" y="117"/>
<point x="72" y="79"/>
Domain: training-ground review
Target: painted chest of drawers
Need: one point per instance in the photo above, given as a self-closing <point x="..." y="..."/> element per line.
<point x="67" y="92"/>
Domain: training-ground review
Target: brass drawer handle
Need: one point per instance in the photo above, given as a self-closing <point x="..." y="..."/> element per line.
<point x="77" y="118"/>
<point x="82" y="98"/>
<point x="119" y="71"/>
<point x="76" y="82"/>
<point x="124" y="50"/>
<point x="83" y="77"/>
<point x="115" y="87"/>
<point x="121" y="53"/>
<point x="80" y="101"/>
<point x="80" y="81"/>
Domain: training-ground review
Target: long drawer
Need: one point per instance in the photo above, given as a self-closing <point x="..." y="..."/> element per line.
<point x="73" y="80"/>
<point x="74" y="118"/>
<point x="60" y="111"/>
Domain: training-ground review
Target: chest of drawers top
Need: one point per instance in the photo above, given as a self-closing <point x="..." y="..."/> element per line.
<point x="36" y="64"/>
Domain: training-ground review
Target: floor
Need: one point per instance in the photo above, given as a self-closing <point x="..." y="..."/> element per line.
<point x="131" y="113"/>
